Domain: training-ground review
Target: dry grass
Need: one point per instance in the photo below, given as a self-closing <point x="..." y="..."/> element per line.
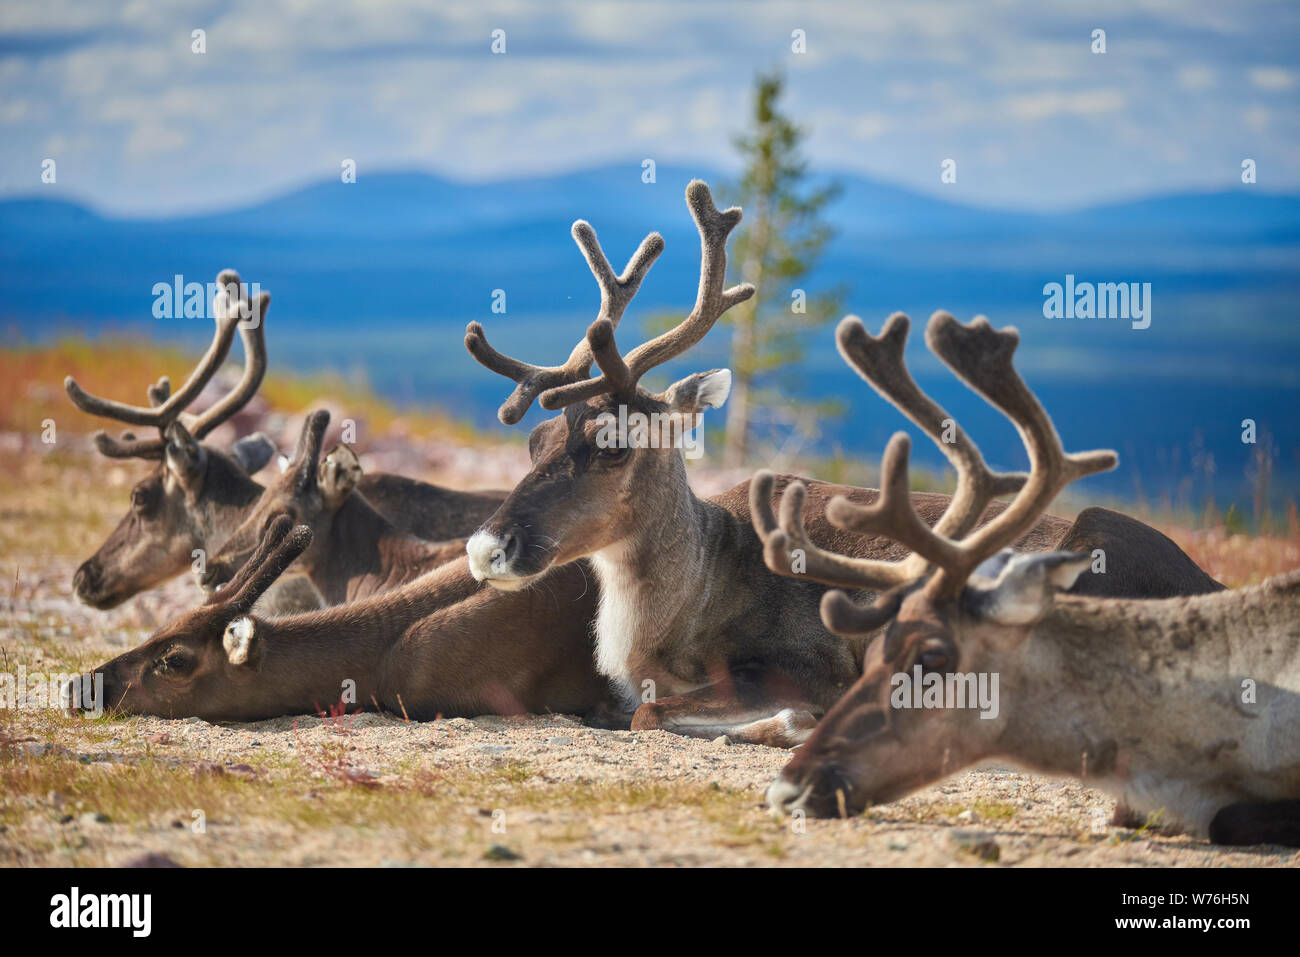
<point x="325" y="792"/>
<point x="31" y="388"/>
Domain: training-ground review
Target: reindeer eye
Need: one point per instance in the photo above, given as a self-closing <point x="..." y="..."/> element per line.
<point x="933" y="659"/>
<point x="140" y="498"/>
<point x="173" y="661"/>
<point x="613" y="453"/>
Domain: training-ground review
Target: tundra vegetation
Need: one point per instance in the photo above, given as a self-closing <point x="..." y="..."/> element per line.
<point x="322" y="783"/>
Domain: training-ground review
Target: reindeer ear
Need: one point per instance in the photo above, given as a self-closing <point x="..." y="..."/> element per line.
<point x="238" y="639"/>
<point x="184" y="455"/>
<point x="339" y="474"/>
<point x="695" y="393"/>
<point x="252" y="452"/>
<point x="1025" y="586"/>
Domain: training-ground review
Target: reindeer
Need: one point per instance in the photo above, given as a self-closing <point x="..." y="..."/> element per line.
<point x="198" y="494"/>
<point x="440" y="645"/>
<point x="1190" y="705"/>
<point x="355" y="551"/>
<point x="697" y="634"/>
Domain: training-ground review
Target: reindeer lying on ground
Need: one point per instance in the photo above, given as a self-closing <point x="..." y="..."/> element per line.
<point x="1187" y="705"/>
<point x="699" y="637"/>
<point x="440" y="645"/>
<point x="199" y="494"/>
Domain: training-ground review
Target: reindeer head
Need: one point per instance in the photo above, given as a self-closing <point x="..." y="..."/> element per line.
<point x="195" y="490"/>
<point x="203" y="663"/>
<point x="959" y="610"/>
<point x="614" y="439"/>
<point x="309" y="491"/>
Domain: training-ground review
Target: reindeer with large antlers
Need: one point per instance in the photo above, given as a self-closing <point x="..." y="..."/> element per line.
<point x="1189" y="705"/>
<point x="695" y="632"/>
<point x="200" y="494"/>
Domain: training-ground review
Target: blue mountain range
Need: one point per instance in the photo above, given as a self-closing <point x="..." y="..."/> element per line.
<point x="380" y="276"/>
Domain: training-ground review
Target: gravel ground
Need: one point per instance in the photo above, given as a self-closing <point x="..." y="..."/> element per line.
<point x="532" y="791"/>
<point x="376" y="790"/>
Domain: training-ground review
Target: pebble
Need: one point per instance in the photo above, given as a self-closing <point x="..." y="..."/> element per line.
<point x="152" y="860"/>
<point x="499" y="852"/>
<point x="980" y="843"/>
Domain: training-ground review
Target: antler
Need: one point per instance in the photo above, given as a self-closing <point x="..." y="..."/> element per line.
<point x="786" y="546"/>
<point x="615" y="294"/>
<point x="879" y="360"/>
<point x="982" y="358"/>
<point x="306" y="455"/>
<point x="281" y="544"/>
<point x="621" y="376"/>
<point x="166" y="407"/>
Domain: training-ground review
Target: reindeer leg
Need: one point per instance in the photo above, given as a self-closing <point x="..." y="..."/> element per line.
<point x="738" y="707"/>
<point x="607" y="719"/>
<point x="1257" y="822"/>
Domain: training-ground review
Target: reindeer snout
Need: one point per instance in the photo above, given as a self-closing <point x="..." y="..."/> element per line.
<point x="88" y="585"/>
<point x="493" y="555"/>
<point x="820" y="791"/>
<point x="784" y="796"/>
<point x="83" y="694"/>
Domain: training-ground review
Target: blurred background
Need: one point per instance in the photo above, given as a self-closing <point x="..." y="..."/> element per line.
<point x="385" y="169"/>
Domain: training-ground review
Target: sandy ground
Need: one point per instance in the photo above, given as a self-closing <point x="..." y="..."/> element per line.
<point x="376" y="790"/>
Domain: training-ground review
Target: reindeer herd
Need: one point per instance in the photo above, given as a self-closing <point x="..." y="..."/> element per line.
<point x="781" y="612"/>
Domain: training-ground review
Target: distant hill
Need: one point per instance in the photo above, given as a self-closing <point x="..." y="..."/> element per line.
<point x="380" y="277"/>
<point x="418" y="247"/>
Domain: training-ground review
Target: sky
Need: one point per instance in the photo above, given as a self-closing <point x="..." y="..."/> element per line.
<point x="138" y="124"/>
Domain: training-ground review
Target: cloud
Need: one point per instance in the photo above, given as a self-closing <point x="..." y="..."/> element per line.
<point x="885" y="90"/>
<point x="1272" y="78"/>
<point x="1196" y="77"/>
<point x="1054" y="103"/>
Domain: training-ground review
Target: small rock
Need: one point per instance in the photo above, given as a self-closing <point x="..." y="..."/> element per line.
<point x="41" y="749"/>
<point x="723" y="740"/>
<point x="499" y="852"/>
<point x="151" y="860"/>
<point x="93" y="817"/>
<point x="980" y="843"/>
<point x="968" y="816"/>
<point x="160" y="738"/>
<point x="559" y="741"/>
